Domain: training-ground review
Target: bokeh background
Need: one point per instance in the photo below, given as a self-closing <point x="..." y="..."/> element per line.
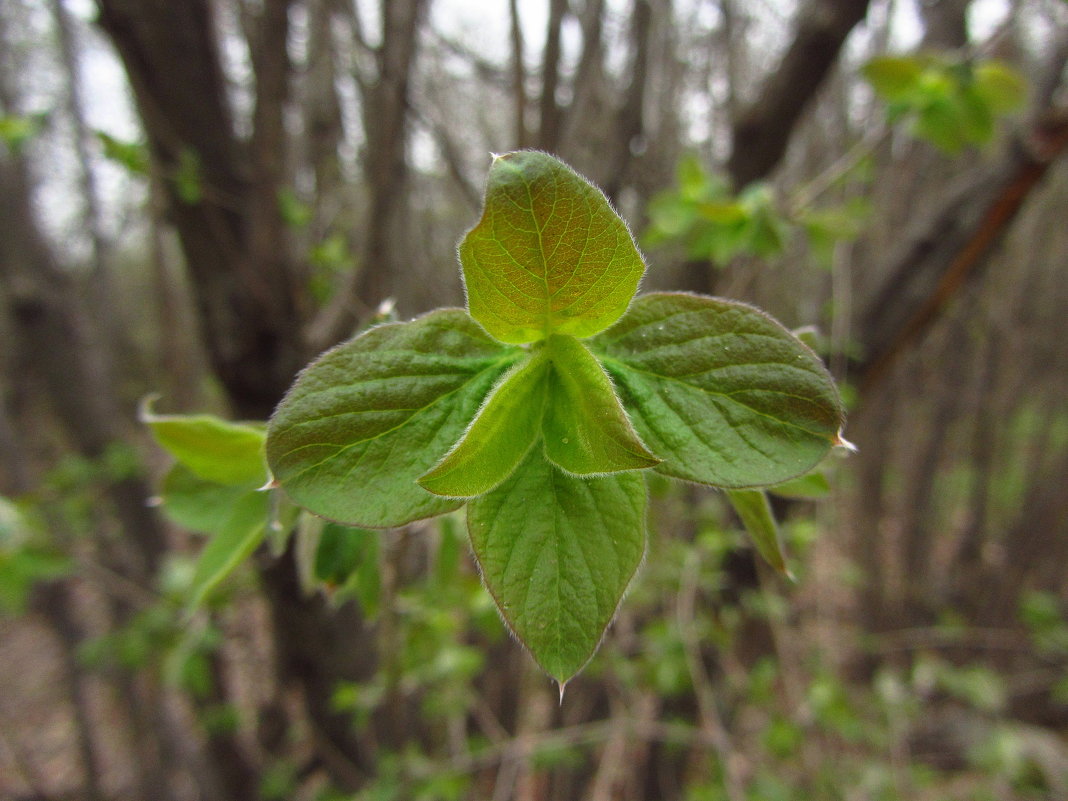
<point x="197" y="197"/>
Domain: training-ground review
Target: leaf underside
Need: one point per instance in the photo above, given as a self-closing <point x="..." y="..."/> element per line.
<point x="548" y="255"/>
<point x="720" y="391"/>
<point x="557" y="553"/>
<point x="755" y="513"/>
<point x="239" y="534"/>
<point x="214" y="449"/>
<point x="369" y="417"/>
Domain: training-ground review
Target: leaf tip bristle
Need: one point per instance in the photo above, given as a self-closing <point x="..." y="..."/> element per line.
<point x="562" y="685"/>
<point x="272" y="483"/>
<point x="842" y="442"/>
<point x="144" y="408"/>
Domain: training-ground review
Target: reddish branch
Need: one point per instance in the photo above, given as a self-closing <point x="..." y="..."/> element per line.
<point x="988" y="206"/>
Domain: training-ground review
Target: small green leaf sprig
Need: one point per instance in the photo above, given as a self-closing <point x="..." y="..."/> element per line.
<point x="544" y="404"/>
<point x="950" y="102"/>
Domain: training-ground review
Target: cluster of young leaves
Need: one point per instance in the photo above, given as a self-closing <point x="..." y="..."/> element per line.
<point x="712" y="223"/>
<point x="215" y="488"/>
<point x="949" y="102"/>
<point x="542" y="406"/>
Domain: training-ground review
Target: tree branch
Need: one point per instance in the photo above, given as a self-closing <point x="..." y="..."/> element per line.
<point x="763" y="130"/>
<point x="953" y="246"/>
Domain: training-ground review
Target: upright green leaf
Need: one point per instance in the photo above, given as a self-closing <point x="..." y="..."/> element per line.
<point x="557" y="553"/>
<point x="197" y="504"/>
<point x="214" y="449"/>
<point x="1001" y="87"/>
<point x="369" y="417"/>
<point x="894" y="78"/>
<point x="586" y="430"/>
<point x="238" y="536"/>
<point x="755" y="513"/>
<point x="500" y="436"/>
<point x="721" y="392"/>
<point x="549" y="254"/>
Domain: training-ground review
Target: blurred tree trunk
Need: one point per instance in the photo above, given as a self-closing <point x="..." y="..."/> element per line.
<point x="222" y="191"/>
<point x="54" y="340"/>
<point x="549" y="114"/>
<point x="763" y="130"/>
<point x="247" y="286"/>
<point x="629" y="128"/>
<point x="386" y="105"/>
<point x="945" y="23"/>
<point x="519" y="77"/>
<point x="323" y="127"/>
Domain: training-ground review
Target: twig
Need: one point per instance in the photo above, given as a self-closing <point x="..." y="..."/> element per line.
<point x="711" y="722"/>
<point x="815" y="188"/>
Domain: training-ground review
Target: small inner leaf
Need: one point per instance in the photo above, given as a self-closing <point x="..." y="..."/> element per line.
<point x="235" y="540"/>
<point x="586" y="430"/>
<point x="369" y="417"/>
<point x="755" y="513"/>
<point x="557" y="553"/>
<point x="549" y="254"/>
<point x="720" y="391"/>
<point x="214" y="449"/>
<point x="500" y="436"/>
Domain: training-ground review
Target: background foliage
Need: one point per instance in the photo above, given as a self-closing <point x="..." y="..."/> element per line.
<point x="199" y="197"/>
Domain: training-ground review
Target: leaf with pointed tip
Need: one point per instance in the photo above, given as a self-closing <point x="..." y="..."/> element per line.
<point x="197" y="504"/>
<point x="237" y="537"/>
<point x="755" y="513"/>
<point x="720" y="391"/>
<point x="500" y="436"/>
<point x="549" y="254"/>
<point x="557" y="553"/>
<point x="214" y="449"/>
<point x="586" y="430"/>
<point x="369" y="417"/>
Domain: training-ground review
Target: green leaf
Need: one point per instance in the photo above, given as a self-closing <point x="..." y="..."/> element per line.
<point x="692" y="179"/>
<point x="294" y="211"/>
<point x="1002" y="88"/>
<point x="807" y="487"/>
<point x="188" y="177"/>
<point x="16" y="131"/>
<point x="720" y="391"/>
<point x="755" y="513"/>
<point x="214" y="449"/>
<point x="586" y="430"/>
<point x="339" y="552"/>
<point x="14" y="528"/>
<point x="197" y="504"/>
<point x="132" y="156"/>
<point x="500" y="436"/>
<point x="22" y="569"/>
<point x="549" y="254"/>
<point x="369" y="417"/>
<point x="235" y="541"/>
<point x="893" y="77"/>
<point x="557" y="553"/>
